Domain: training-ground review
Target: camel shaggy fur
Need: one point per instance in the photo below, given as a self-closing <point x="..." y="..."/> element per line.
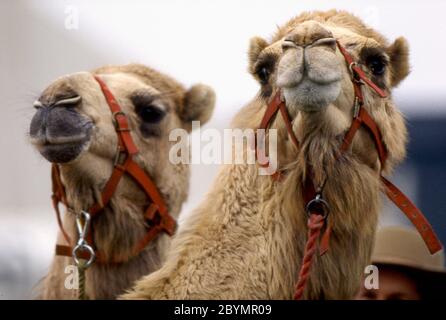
<point x="73" y="127"/>
<point x="246" y="239"/>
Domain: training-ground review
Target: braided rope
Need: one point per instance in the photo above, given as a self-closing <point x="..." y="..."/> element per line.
<point x="81" y="273"/>
<point x="315" y="224"/>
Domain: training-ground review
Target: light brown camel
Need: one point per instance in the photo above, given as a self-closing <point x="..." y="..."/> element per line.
<point x="246" y="240"/>
<point x="73" y="128"/>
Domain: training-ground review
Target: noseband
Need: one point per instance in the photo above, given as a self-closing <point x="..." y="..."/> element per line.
<point x="316" y="207"/>
<point x="156" y="215"/>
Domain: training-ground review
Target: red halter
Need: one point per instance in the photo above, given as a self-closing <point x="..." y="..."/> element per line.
<point x="156" y="214"/>
<point x="316" y="207"/>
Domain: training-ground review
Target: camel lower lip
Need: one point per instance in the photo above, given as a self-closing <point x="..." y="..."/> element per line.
<point x="61" y="153"/>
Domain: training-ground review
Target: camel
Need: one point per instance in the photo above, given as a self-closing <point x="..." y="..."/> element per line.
<point x="246" y="239"/>
<point x="73" y="128"/>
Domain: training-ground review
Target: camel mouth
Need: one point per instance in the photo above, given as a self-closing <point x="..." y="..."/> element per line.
<point x="61" y="149"/>
<point x="62" y="152"/>
<point x="46" y="140"/>
<point x="309" y="77"/>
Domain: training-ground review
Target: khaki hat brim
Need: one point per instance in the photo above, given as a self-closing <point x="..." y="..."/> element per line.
<point x="401" y="261"/>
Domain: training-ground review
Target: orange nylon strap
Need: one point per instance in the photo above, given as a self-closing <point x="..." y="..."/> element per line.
<point x="370" y="124"/>
<point x="67" y="251"/>
<point x="152" y="233"/>
<point x="273" y="107"/>
<point x="289" y="126"/>
<point x="167" y="223"/>
<point x="414" y="215"/>
<point x="271" y="111"/>
<point x="57" y="197"/>
<point x="109" y="189"/>
<point x="364" y="119"/>
<point x="121" y="122"/>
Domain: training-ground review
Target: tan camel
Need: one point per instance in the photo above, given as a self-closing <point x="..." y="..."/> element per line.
<point x="246" y="240"/>
<point x="73" y="127"/>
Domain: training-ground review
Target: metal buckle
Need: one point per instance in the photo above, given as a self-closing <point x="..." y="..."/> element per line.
<point x="354" y="74"/>
<point x="319" y="205"/>
<point x="120" y="157"/>
<point x="356" y="107"/>
<point x="115" y="122"/>
<point x="83" y="225"/>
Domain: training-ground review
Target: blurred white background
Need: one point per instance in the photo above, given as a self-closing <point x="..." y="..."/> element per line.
<point x="194" y="41"/>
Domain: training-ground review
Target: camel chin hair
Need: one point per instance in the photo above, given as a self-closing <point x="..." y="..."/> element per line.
<point x="73" y="128"/>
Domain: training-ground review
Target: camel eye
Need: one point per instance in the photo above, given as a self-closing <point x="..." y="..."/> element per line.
<point x="377" y="65"/>
<point x="264" y="68"/>
<point x="146" y="107"/>
<point x="151" y="114"/>
<point x="263" y="74"/>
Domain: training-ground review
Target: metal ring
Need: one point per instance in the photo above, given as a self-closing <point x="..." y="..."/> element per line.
<point x="83" y="247"/>
<point x="319" y="205"/>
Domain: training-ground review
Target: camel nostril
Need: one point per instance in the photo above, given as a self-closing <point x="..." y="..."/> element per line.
<point x="307" y="33"/>
<point x="288" y="44"/>
<point x="37" y="104"/>
<point x="68" y="101"/>
<point x="328" y="42"/>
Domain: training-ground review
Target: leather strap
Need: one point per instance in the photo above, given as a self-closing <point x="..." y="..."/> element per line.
<point x="414" y="215"/>
<point x="273" y="107"/>
<point x="57" y="197"/>
<point x="271" y="111"/>
<point x="152" y="232"/>
<point x="156" y="214"/>
<point x="121" y="123"/>
<point x="364" y="119"/>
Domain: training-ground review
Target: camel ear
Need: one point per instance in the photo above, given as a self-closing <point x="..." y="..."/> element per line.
<point x="399" y="60"/>
<point x="199" y="102"/>
<point x="256" y="45"/>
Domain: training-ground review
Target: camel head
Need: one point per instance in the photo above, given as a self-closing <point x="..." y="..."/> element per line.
<point x="73" y="125"/>
<point x="305" y="64"/>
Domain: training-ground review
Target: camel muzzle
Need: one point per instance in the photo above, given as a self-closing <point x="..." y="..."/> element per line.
<point x="59" y="132"/>
<point x="310" y="75"/>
